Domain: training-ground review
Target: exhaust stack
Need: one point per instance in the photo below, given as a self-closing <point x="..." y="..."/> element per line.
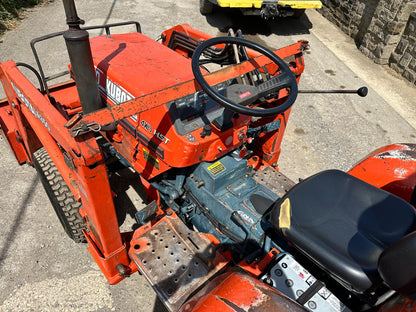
<point x="80" y="56"/>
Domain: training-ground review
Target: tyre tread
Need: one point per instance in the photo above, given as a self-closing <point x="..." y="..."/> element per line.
<point x="61" y="197"/>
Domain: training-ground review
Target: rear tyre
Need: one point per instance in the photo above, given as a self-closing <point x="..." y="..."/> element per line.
<point x="61" y="197"/>
<point x="205" y="7"/>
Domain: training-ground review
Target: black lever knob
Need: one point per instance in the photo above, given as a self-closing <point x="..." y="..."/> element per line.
<point x="206" y="131"/>
<point x="363" y="91"/>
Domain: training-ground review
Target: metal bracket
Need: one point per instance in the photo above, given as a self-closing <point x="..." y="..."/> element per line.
<point x="266" y="128"/>
<point x="83" y="128"/>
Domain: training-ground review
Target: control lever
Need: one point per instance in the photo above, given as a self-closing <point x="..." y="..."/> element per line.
<point x="363" y="91"/>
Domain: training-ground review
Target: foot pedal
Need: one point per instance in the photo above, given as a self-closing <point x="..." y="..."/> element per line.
<point x="175" y="260"/>
<point x="147" y="213"/>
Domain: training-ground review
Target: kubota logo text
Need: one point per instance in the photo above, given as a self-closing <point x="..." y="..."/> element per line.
<point x="29" y="106"/>
<point x="112" y="90"/>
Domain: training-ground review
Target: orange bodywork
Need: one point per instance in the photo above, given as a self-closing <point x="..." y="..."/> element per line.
<point x="29" y="120"/>
<point x="391" y="168"/>
<point x="157" y="135"/>
<point x="236" y="291"/>
<point x="154" y="75"/>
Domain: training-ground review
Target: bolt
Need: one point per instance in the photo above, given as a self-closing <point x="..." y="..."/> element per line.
<point x="13" y="105"/>
<point x="169" y="212"/>
<point x="278" y="272"/>
<point x="268" y="281"/>
<point x="220" y="148"/>
<point x="289" y="283"/>
<point x="312" y="305"/>
<point x="201" y="183"/>
<point x="122" y="271"/>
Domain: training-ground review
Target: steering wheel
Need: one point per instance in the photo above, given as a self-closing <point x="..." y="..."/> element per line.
<point x="241" y="95"/>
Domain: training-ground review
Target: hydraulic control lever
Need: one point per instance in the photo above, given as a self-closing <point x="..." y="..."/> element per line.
<point x="363" y="91"/>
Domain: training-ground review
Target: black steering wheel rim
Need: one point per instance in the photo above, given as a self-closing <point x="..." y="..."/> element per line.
<point x="228" y="104"/>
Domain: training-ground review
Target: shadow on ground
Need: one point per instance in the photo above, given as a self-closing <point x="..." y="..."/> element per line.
<point x="159" y="306"/>
<point x="223" y="19"/>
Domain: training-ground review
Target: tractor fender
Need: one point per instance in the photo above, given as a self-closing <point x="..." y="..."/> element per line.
<point x="236" y="291"/>
<point x="391" y="168"/>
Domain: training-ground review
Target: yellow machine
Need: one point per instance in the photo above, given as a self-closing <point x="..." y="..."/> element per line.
<point x="267" y="8"/>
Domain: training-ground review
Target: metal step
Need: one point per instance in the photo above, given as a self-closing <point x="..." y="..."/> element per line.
<point x="175" y="260"/>
<point x="274" y="180"/>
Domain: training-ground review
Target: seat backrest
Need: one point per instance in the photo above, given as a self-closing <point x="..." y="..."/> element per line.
<point x="397" y="265"/>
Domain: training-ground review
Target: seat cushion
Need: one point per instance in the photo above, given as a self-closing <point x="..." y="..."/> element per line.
<point x="343" y="225"/>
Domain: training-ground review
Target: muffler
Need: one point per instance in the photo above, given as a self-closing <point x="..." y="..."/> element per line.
<point x="80" y="56"/>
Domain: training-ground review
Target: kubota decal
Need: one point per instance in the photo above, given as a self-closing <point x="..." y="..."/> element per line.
<point x="155" y="133"/>
<point x="112" y="91"/>
<point x="25" y="101"/>
<point x="146" y="125"/>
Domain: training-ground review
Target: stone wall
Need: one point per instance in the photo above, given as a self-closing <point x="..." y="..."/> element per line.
<point x="403" y="59"/>
<point x="377" y="26"/>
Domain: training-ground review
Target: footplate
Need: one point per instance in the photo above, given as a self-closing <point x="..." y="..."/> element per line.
<point x="175" y="260"/>
<point x="274" y="180"/>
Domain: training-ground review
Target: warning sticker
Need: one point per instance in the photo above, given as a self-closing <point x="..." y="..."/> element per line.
<point x="311" y="280"/>
<point x="336" y="304"/>
<point x="150" y="159"/>
<point x="216" y="168"/>
<point x="244" y="95"/>
<point x="324" y="292"/>
<point x="299" y="270"/>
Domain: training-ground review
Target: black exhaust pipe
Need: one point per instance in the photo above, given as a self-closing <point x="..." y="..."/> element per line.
<point x="79" y="51"/>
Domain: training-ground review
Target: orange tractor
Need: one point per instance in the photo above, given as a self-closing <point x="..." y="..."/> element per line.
<point x="200" y="120"/>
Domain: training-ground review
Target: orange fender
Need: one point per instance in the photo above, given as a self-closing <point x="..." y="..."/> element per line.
<point x="391" y="168"/>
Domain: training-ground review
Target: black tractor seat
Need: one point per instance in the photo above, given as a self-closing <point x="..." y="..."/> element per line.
<point x="359" y="234"/>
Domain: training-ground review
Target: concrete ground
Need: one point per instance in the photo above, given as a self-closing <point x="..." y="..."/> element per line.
<point x="42" y="270"/>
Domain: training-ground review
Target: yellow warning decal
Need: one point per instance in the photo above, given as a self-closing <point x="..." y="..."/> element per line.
<point x="216" y="168"/>
<point x="294" y="4"/>
<point x="301" y="4"/>
<point x="240" y="3"/>
<point x="285" y="214"/>
<point x="151" y="159"/>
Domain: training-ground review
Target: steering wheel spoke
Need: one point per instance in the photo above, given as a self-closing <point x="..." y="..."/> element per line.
<point x="275" y="84"/>
<point x="239" y="97"/>
<point x="242" y="94"/>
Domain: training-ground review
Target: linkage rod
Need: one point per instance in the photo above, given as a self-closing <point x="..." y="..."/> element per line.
<point x="363" y="91"/>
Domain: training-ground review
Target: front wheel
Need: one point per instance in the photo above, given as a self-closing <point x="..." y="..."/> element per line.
<point x="205" y="7"/>
<point x="61" y="197"/>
